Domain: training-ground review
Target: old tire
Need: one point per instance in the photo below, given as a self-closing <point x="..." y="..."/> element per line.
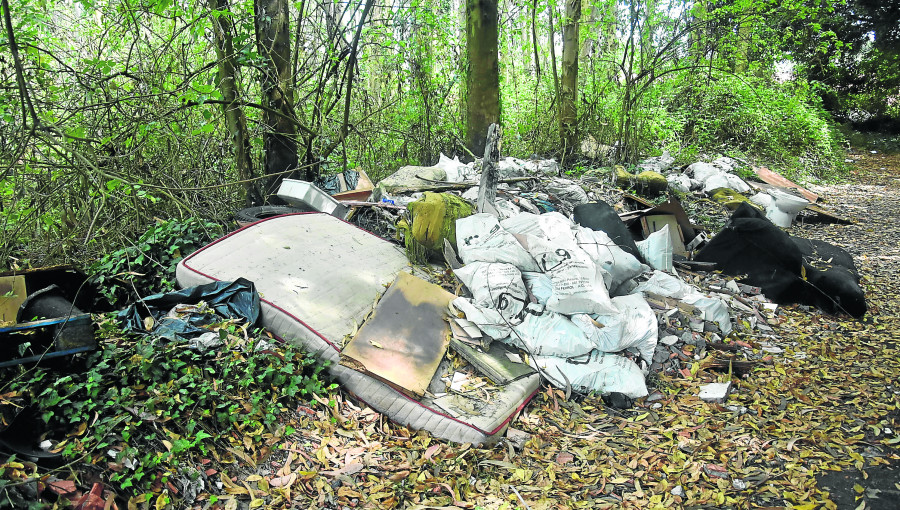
<point x="250" y="215"/>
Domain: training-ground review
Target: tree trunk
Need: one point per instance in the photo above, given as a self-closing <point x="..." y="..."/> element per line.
<point x="568" y="89"/>
<point x="229" y="86"/>
<point x="273" y="38"/>
<point x="483" y="77"/>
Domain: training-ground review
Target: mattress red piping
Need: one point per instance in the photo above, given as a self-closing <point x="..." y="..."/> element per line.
<point x="333" y="346"/>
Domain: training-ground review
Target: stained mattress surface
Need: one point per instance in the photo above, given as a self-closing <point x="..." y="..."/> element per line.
<point x="318" y="278"/>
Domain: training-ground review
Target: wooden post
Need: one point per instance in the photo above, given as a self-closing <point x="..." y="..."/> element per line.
<point x="490" y="174"/>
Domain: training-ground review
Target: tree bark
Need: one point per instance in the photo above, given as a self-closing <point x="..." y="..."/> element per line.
<point x="229" y="86"/>
<point x="273" y="39"/>
<point x="568" y="113"/>
<point x="483" y="77"/>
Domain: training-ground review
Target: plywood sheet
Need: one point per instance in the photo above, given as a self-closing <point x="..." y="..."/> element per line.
<point x="404" y="341"/>
<point x="774" y="179"/>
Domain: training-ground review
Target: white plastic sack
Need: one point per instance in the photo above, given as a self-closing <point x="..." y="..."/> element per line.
<point x="659" y="164"/>
<point x="633" y="326"/>
<point x="566" y="191"/>
<point x="542" y="166"/>
<point x="606" y="254"/>
<point x="665" y="285"/>
<point x="723" y="180"/>
<point x="480" y="238"/>
<point x="657" y="249"/>
<point x="496" y="285"/>
<point x="549" y="226"/>
<point x="702" y="171"/>
<point x="489" y="321"/>
<point x="680" y="182"/>
<point x="508" y="168"/>
<point x="601" y="373"/>
<point x="578" y="285"/>
<point x="540" y="286"/>
<point x="456" y="171"/>
<point x="549" y="334"/>
<point x="725" y="163"/>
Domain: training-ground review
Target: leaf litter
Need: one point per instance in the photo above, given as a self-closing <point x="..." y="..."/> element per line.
<point x="826" y="401"/>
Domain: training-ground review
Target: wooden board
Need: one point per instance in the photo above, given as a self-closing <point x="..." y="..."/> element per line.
<point x="404" y="341"/>
<point x="774" y="179"/>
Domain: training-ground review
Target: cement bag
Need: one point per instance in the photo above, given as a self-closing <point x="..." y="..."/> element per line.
<point x="496" y="285"/>
<point x="634" y="326"/>
<point x="549" y="226"/>
<point x="666" y="285"/>
<point x="540" y="286"/>
<point x="702" y="171"/>
<point x="568" y="192"/>
<point x="619" y="265"/>
<point x="577" y="282"/>
<point x="549" y="334"/>
<point x="489" y="321"/>
<point x="480" y="238"/>
<point x="600" y="373"/>
<point x="657" y="249"/>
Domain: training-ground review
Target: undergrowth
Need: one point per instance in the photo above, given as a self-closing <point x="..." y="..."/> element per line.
<point x="149" y="413"/>
<point x="148" y="266"/>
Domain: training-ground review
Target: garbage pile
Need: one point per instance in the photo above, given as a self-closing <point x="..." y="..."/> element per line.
<point x="553" y="271"/>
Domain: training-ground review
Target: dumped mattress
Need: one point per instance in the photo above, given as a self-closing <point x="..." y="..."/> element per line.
<point x="318" y="277"/>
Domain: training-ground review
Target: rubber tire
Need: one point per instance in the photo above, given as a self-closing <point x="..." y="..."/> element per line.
<point x="250" y="215"/>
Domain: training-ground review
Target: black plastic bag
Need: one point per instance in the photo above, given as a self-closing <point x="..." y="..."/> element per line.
<point x="237" y="299"/>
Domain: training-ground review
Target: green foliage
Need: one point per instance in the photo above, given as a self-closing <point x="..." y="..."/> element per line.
<point x="148" y="266"/>
<point x="161" y="406"/>
<point x="782" y="123"/>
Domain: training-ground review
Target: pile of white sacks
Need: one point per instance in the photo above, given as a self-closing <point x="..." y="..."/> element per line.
<point x="569" y="297"/>
<point x="708" y="176"/>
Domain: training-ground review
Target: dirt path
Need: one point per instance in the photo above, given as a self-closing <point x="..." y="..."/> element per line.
<point x="865" y="355"/>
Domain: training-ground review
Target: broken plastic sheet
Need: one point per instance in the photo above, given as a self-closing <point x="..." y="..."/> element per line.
<point x="714" y="309"/>
<point x="480" y="238"/>
<point x="596" y="372"/>
<point x="235" y="299"/>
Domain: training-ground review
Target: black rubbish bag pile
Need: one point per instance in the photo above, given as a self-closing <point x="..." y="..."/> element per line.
<point x="787" y="269"/>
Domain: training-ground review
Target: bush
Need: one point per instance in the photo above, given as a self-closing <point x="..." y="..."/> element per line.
<point x="148" y="266"/>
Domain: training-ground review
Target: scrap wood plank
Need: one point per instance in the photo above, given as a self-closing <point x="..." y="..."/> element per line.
<point x="774" y="179"/>
<point x="493" y="363"/>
